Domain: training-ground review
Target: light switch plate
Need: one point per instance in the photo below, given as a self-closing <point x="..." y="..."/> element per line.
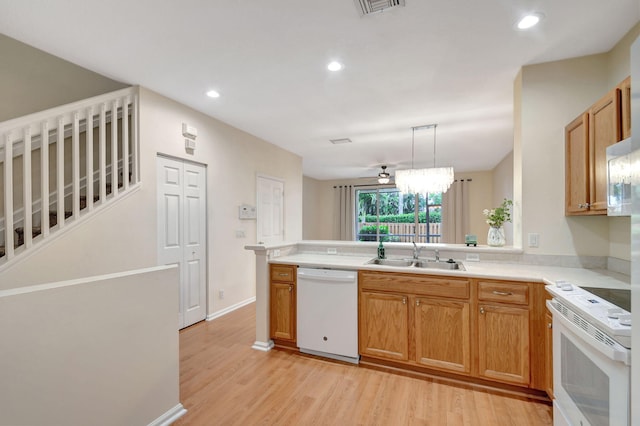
<point x="534" y="239"/>
<point x="332" y="251"/>
<point x="473" y="257"/>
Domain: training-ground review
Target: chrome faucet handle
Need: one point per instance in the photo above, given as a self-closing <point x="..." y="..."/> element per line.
<point x="437" y="254"/>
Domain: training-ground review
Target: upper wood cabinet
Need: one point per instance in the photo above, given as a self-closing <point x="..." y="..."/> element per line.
<point x="586" y="141"/>
<point x="283" y="302"/>
<point x="625" y="107"/>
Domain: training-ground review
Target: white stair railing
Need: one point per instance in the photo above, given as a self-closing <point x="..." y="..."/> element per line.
<point x="45" y="187"/>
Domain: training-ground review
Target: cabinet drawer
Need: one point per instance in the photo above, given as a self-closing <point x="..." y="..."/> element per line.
<point x="420" y="285"/>
<point x="503" y="292"/>
<point x="285" y="273"/>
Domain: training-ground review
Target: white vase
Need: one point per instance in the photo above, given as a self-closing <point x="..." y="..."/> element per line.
<point x="495" y="237"/>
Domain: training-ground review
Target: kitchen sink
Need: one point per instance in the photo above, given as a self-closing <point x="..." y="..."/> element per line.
<point x="432" y="264"/>
<point x="392" y="262"/>
<point x="450" y="264"/>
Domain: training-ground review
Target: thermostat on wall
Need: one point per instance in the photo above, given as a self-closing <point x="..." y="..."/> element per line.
<point x="247" y="212"/>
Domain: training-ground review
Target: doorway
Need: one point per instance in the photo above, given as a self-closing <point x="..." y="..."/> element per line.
<point x="182" y="232"/>
<point x="270" y="194"/>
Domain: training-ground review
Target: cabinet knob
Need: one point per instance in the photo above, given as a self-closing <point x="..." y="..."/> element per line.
<point x="550" y="325"/>
<point x="418" y="302"/>
<point x="481" y="310"/>
<point x="290" y="288"/>
<point x="404" y="300"/>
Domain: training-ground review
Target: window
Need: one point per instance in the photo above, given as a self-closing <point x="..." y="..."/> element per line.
<point x="386" y="214"/>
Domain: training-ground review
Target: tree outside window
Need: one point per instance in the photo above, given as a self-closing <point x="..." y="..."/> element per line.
<point x="386" y="214"/>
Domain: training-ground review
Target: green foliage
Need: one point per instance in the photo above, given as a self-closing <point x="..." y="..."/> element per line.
<point x="370" y="232"/>
<point x="496" y="217"/>
<point x="435" y="216"/>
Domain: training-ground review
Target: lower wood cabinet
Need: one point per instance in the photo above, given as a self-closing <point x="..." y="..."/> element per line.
<point x="442" y="334"/>
<point x="470" y="327"/>
<point x="548" y="348"/>
<point x="384" y="327"/>
<point x="282" y="294"/>
<point x="503" y="343"/>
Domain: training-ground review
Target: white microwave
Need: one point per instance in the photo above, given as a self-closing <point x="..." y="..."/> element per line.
<point x="619" y="178"/>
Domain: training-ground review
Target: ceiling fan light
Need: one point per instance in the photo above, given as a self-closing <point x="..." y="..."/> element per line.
<point x="383" y="176"/>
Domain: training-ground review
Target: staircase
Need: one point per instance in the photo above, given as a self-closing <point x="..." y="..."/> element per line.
<point x="61" y="165"/>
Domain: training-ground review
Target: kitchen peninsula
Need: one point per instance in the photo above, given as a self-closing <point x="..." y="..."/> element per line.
<point x="489" y="318"/>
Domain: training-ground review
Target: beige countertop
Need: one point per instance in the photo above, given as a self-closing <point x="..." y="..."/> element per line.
<point x="493" y="270"/>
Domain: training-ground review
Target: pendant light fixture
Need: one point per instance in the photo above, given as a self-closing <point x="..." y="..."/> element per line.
<point x="421" y="181"/>
<point x="383" y="176"/>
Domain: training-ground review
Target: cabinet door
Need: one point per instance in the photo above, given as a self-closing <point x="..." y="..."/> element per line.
<point x="604" y="130"/>
<point x="383" y="325"/>
<point x="442" y="334"/>
<point x="625" y="103"/>
<point x="283" y="311"/>
<point x="503" y="343"/>
<point x="548" y="349"/>
<point x="577" y="165"/>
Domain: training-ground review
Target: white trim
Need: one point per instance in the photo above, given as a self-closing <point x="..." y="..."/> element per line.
<point x="170" y="416"/>
<point x="263" y="346"/>
<point x="230" y="309"/>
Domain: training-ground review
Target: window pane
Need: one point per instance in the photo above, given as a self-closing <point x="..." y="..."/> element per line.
<point x="387" y="214"/>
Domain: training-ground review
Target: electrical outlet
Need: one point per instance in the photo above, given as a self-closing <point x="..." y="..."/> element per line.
<point x="276" y="253"/>
<point x="221" y="294"/>
<point x="534" y="239"/>
<point x="473" y="257"/>
<point x="332" y="251"/>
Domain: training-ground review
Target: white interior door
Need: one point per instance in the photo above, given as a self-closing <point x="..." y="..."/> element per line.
<point x="270" y="194"/>
<point x="182" y="201"/>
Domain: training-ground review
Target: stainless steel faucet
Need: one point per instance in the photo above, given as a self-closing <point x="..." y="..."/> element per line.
<point x="416" y="250"/>
<point x="437" y="255"/>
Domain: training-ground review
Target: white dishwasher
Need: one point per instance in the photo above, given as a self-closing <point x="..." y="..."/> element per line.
<point x="328" y="313"/>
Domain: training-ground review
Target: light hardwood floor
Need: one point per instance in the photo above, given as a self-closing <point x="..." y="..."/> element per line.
<point x="225" y="382"/>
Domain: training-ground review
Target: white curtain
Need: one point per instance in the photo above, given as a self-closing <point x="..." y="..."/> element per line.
<point x="455" y="212"/>
<point x="344" y="218"/>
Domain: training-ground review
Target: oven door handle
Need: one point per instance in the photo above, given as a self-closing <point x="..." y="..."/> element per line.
<point x="615" y="352"/>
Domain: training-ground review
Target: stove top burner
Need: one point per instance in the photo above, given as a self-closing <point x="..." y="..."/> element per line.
<point x="619" y="297"/>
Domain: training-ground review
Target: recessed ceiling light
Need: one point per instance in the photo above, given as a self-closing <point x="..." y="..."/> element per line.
<point x="213" y="94"/>
<point x="529" y="21"/>
<point x="334" y="66"/>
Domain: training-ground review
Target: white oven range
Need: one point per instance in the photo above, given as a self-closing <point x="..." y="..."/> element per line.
<point x="591" y="355"/>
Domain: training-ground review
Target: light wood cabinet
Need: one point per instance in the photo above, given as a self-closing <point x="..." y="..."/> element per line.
<point x="283" y="302"/>
<point x="442" y="333"/>
<point x="416" y="319"/>
<point x="503" y="331"/>
<point x="586" y="140"/>
<point x="384" y="327"/>
<point x="625" y="107"/>
<point x="503" y="343"/>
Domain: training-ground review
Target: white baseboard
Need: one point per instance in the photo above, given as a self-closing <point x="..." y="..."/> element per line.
<point x="231" y="308"/>
<point x="170" y="416"/>
<point x="263" y="346"/>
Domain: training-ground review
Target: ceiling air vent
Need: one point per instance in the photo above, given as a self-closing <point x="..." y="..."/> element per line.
<point x="366" y="7"/>
<point x="340" y="141"/>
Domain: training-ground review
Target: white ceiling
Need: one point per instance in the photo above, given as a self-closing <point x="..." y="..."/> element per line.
<point x="449" y="62"/>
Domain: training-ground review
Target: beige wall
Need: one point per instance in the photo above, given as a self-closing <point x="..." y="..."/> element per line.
<point x="32" y="80"/>
<point x="316" y="217"/>
<point x="89" y="352"/>
<point x="503" y="188"/>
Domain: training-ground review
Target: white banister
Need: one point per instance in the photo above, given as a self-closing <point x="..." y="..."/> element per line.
<point x="112" y="153"/>
<point x="114" y="148"/>
<point x="60" y="173"/>
<point x="27" y="234"/>
<point x="8" y="195"/>
<point x="75" y="175"/>
<point x="44" y="178"/>
<point x="89" y="161"/>
<point x="102" y="159"/>
<point x="125" y="144"/>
